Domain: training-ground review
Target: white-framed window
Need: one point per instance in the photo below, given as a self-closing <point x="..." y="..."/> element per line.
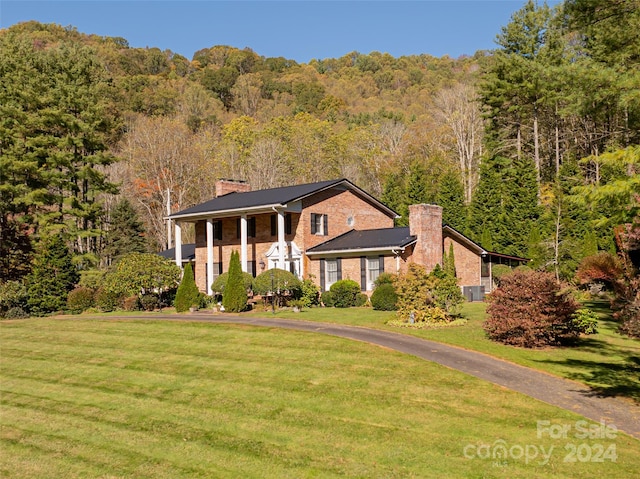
<point x="331" y="271"/>
<point x="319" y="224"/>
<point x="373" y="271"/>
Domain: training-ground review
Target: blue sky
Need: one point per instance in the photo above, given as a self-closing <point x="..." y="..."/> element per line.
<point x="294" y="29"/>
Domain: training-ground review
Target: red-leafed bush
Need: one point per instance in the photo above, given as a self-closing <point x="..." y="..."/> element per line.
<point x="530" y="309"/>
<point x="601" y="268"/>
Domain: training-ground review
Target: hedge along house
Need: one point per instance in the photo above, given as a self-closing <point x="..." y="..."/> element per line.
<point x="329" y="230"/>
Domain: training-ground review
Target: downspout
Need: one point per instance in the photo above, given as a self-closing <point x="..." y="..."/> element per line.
<point x="397" y="254"/>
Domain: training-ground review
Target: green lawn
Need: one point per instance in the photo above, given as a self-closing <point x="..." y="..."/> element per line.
<point x="109" y="398"/>
<point x="607" y="361"/>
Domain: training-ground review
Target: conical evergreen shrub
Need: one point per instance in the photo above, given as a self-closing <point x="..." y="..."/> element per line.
<point x="235" y="298"/>
<point x="188" y="294"/>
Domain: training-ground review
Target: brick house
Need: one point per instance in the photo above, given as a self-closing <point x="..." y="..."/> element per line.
<point x="328" y="230"/>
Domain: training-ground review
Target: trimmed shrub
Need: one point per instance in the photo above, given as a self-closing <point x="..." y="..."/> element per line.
<point x="531" y="309"/>
<point x="361" y="300"/>
<point x="328" y="299"/>
<point x="16" y="313"/>
<point x="221" y="281"/>
<point x="149" y="302"/>
<point x="80" y="299"/>
<point x="384" y="297"/>
<point x="132" y="303"/>
<point x="499" y="271"/>
<point x="188" y="294"/>
<point x="235" y="297"/>
<point x="282" y="281"/>
<point x="345" y="293"/>
<point x="108" y="301"/>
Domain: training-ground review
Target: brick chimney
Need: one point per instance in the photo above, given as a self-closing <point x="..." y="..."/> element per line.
<point x="225" y="186"/>
<point x="425" y="222"/>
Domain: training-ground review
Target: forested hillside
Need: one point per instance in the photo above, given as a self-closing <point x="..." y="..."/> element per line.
<point x="532" y="149"/>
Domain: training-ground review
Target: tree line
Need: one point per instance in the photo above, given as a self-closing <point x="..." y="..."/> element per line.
<point x="531" y="148"/>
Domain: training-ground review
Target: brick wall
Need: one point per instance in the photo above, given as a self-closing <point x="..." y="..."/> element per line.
<point x="338" y="205"/>
<point x="467" y="263"/>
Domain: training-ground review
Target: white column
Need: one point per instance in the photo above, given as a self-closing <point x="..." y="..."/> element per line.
<point x="209" y="255"/>
<point x="281" y="243"/>
<point x="243" y="242"/>
<point x="168" y="220"/>
<point x="178" y="243"/>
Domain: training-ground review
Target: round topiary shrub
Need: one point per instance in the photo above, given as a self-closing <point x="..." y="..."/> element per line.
<point x="80" y="299"/>
<point x="328" y="299"/>
<point x="361" y="300"/>
<point x="384" y="297"/>
<point x="531" y="309"/>
<point x="282" y="281"/>
<point x="345" y="293"/>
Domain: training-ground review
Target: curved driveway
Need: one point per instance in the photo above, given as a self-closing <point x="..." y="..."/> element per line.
<point x="553" y="390"/>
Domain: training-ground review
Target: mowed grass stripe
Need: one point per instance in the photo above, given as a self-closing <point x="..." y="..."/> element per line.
<point x="201" y="400"/>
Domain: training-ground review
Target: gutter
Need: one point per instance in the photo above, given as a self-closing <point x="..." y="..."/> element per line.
<point x="225" y="213"/>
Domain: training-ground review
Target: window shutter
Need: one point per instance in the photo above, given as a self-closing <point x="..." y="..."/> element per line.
<point x="287" y="224"/>
<point x="339" y="261"/>
<point x="363" y="273"/>
<point x="251" y="226"/>
<point x="217" y="230"/>
<point x="273" y="225"/>
<point x="322" y="282"/>
<point x="325" y="222"/>
<point x="381" y="264"/>
<point x="238" y="228"/>
<point x="313" y="223"/>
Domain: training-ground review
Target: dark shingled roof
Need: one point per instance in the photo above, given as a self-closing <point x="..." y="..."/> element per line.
<point x="252" y="199"/>
<point x="384" y="238"/>
<point x="188" y="252"/>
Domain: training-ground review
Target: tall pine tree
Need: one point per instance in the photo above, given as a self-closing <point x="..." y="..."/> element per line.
<point x="451" y="198"/>
<point x="125" y="234"/>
